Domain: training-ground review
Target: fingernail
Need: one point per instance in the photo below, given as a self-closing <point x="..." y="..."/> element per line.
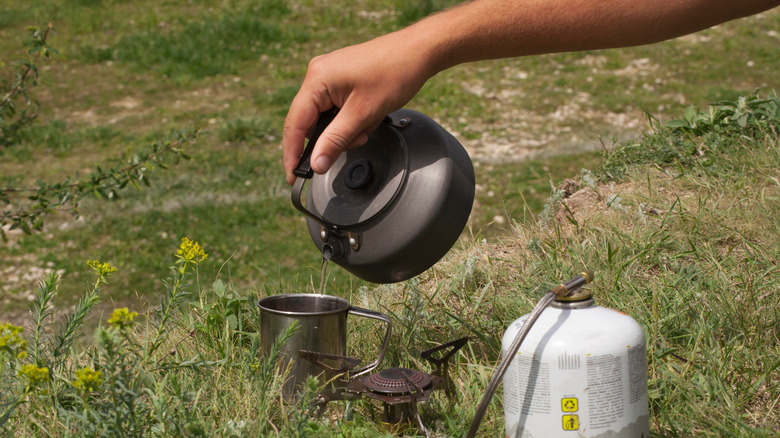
<point x="322" y="163"/>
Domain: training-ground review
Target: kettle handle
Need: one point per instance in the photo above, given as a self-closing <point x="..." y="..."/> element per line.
<point x="295" y="197"/>
<point x="303" y="170"/>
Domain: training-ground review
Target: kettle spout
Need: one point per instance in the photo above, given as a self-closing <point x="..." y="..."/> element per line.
<point x="332" y="250"/>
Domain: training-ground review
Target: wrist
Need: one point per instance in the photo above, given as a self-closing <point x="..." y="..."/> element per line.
<point x="461" y="34"/>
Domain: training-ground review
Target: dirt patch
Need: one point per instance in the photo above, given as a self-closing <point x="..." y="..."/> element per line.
<point x="107" y="94"/>
<point x="641" y="67"/>
<point x="522" y="135"/>
<point x="580" y="204"/>
<point x="514" y="133"/>
<point x="22" y="276"/>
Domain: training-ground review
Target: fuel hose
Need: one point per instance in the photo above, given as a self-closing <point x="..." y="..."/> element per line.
<point x="561" y="290"/>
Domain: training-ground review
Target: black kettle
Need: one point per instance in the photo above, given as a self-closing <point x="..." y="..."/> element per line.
<point x="390" y="209"/>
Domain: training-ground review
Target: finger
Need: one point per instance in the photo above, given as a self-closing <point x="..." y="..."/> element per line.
<point x="360" y="140"/>
<point x="300" y="119"/>
<point x="346" y="131"/>
<point x="373" y="127"/>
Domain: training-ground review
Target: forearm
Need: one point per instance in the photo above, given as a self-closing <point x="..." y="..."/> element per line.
<point x="490" y="29"/>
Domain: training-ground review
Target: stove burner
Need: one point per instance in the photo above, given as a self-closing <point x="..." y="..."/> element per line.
<point x="399" y="389"/>
<point x="397" y="381"/>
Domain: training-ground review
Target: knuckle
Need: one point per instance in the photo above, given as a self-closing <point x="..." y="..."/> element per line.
<point x="339" y="141"/>
<point x="315" y="64"/>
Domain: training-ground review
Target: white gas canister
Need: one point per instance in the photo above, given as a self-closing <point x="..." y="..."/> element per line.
<point x="580" y="372"/>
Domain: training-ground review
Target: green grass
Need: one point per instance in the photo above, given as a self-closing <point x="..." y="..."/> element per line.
<point x="682" y="229"/>
<point x="410" y="11"/>
<point x="206" y="47"/>
<point x="688" y="248"/>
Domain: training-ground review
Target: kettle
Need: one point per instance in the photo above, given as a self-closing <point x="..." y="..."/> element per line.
<point x="390" y="209"/>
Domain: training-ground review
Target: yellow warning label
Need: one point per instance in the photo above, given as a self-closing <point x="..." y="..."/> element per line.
<point x="571" y="422"/>
<point x="569" y="404"/>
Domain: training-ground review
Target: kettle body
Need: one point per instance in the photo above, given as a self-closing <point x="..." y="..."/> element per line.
<point x="390" y="209"/>
<point x="581" y="371"/>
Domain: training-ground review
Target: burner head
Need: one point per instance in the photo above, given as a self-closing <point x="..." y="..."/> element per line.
<point x="395" y="381"/>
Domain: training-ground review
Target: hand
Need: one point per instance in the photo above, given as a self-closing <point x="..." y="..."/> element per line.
<point x="366" y="81"/>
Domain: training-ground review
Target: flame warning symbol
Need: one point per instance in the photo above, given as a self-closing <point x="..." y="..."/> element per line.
<point x="571" y="422"/>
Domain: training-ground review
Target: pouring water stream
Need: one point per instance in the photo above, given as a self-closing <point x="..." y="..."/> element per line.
<point x="323" y="274"/>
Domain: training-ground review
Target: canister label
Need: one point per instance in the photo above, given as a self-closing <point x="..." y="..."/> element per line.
<point x="579" y="373"/>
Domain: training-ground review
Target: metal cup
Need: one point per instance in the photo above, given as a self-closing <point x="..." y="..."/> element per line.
<point x="322" y="329"/>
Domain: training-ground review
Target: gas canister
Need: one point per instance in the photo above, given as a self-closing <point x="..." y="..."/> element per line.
<point x="580" y="372"/>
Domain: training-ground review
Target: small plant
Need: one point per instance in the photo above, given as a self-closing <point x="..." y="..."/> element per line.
<point x="26" y="206"/>
<point x="747" y="113"/>
<point x="29" y="205"/>
<point x="152" y="380"/>
<point x="696" y="142"/>
<point x="550" y="207"/>
<point x="189" y="255"/>
<point x="12" y="346"/>
<point x="50" y="346"/>
<point x="17" y="109"/>
<point x="13" y="351"/>
<point x="110" y="377"/>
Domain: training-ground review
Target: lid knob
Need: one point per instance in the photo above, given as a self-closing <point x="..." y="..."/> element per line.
<point x="358" y="173"/>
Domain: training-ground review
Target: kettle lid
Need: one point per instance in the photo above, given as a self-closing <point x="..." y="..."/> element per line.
<point x="364" y="181"/>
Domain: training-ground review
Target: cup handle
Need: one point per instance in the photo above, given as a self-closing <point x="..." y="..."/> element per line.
<point x="359" y="311"/>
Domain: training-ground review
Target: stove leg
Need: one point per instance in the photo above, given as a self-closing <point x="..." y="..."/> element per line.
<point x="416" y="415"/>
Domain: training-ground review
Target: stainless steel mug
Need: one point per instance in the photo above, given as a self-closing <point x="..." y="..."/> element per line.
<point x="322" y="328"/>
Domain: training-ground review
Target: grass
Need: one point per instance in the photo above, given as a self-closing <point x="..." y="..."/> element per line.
<point x="206" y="47"/>
<point x="680" y="227"/>
<point x="688" y="248"/>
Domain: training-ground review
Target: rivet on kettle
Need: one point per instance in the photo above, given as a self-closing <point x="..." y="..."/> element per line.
<point x="324" y="235"/>
<point x="353" y="242"/>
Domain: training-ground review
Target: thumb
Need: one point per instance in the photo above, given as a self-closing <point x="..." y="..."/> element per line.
<point x="343" y="133"/>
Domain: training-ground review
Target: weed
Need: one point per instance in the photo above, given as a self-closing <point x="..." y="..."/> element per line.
<point x="125" y="384"/>
<point x="15" y="118"/>
<point x="133" y="169"/>
<point x="699" y="140"/>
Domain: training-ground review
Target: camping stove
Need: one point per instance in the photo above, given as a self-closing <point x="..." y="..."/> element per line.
<point x="398" y="389"/>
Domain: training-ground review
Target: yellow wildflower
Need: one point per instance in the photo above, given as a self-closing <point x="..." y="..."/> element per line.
<point x="190" y="251"/>
<point x="11" y="341"/>
<point x="34" y="374"/>
<point x="122" y="318"/>
<point x="88" y="380"/>
<point x="100" y="268"/>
